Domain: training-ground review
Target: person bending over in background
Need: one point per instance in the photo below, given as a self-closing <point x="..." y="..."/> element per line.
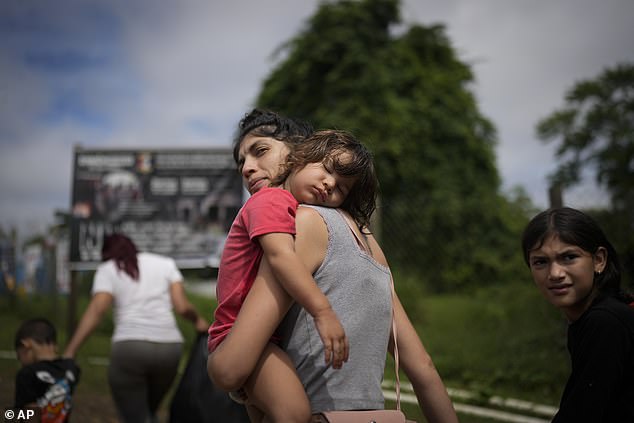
<point x="146" y="344"/>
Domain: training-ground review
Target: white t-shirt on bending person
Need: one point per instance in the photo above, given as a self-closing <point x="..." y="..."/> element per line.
<point x="143" y="308"/>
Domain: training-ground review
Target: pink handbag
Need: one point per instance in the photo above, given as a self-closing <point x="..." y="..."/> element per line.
<point x="366" y="416"/>
<point x="370" y="416"/>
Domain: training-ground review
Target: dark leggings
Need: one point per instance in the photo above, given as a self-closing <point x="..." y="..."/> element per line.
<point x="140" y="374"/>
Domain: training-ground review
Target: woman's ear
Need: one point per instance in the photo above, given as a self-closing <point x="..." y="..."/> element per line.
<point x="600" y="259"/>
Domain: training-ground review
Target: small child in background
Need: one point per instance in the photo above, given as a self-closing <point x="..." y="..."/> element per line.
<point x="45" y="381"/>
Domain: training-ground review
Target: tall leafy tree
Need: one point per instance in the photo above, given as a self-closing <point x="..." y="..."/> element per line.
<point x="404" y="92"/>
<point x="595" y="132"/>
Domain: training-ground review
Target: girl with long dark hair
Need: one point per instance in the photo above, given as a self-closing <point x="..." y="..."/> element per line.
<point x="577" y="270"/>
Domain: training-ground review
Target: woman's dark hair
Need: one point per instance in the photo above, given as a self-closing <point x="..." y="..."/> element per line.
<point x="122" y="250"/>
<point x="39" y="329"/>
<point x="327" y="146"/>
<point x="576" y="228"/>
<point x="266" y="123"/>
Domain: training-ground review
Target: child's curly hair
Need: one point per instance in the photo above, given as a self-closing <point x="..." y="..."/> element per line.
<point x="327" y="146"/>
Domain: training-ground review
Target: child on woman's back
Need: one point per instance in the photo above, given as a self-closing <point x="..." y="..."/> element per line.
<point x="330" y="169"/>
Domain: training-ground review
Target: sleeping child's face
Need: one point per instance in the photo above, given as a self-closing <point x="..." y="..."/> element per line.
<point x="319" y="184"/>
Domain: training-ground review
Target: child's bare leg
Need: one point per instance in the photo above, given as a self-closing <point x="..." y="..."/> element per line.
<point x="275" y="390"/>
<point x="265" y="306"/>
<point x="255" y="415"/>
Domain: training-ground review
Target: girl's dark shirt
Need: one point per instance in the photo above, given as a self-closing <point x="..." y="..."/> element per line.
<point x="600" y="388"/>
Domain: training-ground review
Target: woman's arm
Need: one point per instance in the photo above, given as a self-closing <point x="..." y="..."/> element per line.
<point x="184" y="308"/>
<point x="99" y="304"/>
<point x="430" y="390"/>
<point x="266" y="304"/>
<point x="431" y="393"/>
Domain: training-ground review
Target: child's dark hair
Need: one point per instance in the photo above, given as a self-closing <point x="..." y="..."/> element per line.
<point x="39" y="329"/>
<point x="266" y="123"/>
<point x="327" y="146"/>
<point x="576" y="228"/>
<point x="122" y="250"/>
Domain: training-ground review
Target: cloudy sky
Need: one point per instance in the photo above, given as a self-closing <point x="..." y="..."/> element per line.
<point x="120" y="73"/>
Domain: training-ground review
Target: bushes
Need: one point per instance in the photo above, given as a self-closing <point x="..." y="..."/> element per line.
<point x="503" y="340"/>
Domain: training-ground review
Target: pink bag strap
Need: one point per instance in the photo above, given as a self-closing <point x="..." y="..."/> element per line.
<point x="396" y="363"/>
<point x="393" y="295"/>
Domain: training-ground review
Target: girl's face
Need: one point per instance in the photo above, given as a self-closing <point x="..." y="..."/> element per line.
<point x="564" y="274"/>
<point x="319" y="184"/>
<point x="259" y="161"/>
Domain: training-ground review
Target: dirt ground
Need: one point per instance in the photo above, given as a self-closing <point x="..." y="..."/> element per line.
<point x="93" y="408"/>
<point x="87" y="408"/>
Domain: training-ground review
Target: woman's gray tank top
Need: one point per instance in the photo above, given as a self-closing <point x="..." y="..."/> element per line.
<point x="359" y="291"/>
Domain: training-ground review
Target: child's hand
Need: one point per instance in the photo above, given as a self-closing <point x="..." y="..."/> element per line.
<point x="333" y="336"/>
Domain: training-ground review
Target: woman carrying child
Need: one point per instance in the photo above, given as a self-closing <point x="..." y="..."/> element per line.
<point x="331" y="169"/>
<point x="241" y="359"/>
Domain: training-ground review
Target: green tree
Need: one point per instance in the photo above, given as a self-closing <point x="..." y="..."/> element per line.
<point x="404" y="93"/>
<point x="595" y="129"/>
<point x="595" y="132"/>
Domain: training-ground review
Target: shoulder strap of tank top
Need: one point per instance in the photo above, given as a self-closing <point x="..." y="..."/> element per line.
<point x="396" y="363"/>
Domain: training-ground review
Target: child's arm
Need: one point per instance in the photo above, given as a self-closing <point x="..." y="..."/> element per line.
<point x="292" y="274"/>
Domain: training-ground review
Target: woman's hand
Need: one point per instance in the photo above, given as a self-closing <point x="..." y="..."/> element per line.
<point x="184" y="308"/>
<point x="201" y="325"/>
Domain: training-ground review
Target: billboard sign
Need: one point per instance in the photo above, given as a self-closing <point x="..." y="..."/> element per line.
<point x="176" y="202"/>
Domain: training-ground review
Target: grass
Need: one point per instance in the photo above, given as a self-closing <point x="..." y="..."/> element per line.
<point x="96" y="347"/>
<point x="505" y="341"/>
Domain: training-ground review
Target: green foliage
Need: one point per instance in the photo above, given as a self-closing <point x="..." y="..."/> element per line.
<point x="506" y="341"/>
<point x="91" y="356"/>
<point x="499" y="339"/>
<point x="406" y="95"/>
<point x="595" y="129"/>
